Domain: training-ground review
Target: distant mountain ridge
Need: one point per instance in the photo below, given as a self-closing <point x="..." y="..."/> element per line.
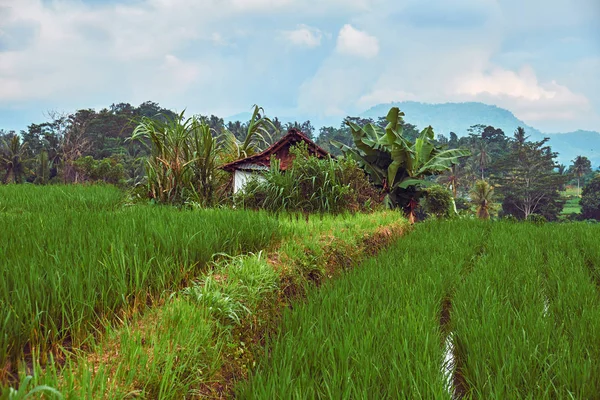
<point x="458" y="117"/>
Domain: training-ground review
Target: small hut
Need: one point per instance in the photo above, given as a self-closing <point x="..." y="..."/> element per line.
<point x="254" y="165"/>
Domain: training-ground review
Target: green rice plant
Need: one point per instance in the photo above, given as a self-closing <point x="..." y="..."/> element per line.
<point x="526" y="319"/>
<point x="167" y="353"/>
<point x="24" y="392"/>
<point x="234" y="287"/>
<point x="374" y="332"/>
<point x="501" y="336"/>
<point x="74" y="257"/>
<point x="574" y="309"/>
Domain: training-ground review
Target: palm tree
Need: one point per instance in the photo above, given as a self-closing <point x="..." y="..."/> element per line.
<point x="454" y="178"/>
<point x="581" y="166"/>
<point x="481" y="196"/>
<point x="482" y="156"/>
<point x="13" y="159"/>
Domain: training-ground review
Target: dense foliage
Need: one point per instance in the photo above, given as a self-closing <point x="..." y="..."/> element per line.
<point x="396" y="164"/>
<point x="310" y="185"/>
<point x="590" y="199"/>
<point x="438" y="202"/>
<point x="91" y="146"/>
<point x="530" y="183"/>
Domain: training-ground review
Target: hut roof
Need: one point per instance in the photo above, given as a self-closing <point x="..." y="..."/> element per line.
<point x="280" y="148"/>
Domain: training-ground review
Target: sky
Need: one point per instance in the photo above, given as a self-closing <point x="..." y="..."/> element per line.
<point x="314" y="59"/>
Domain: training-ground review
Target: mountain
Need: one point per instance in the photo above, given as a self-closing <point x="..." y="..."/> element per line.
<point x="458" y="117"/>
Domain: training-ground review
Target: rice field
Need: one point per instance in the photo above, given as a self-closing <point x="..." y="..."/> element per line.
<point x="74" y="258"/>
<point x="456" y="309"/>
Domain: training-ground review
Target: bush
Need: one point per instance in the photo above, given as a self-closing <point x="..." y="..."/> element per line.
<point x="310" y="185"/>
<point x="107" y="170"/>
<point x="510" y="218"/>
<point x="590" y="199"/>
<point x="537" y="219"/>
<point x="438" y="202"/>
<point x="462" y="204"/>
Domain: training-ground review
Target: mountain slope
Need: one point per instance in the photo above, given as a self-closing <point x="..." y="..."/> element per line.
<point x="458" y="117"/>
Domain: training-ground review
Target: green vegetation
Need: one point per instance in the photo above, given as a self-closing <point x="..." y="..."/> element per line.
<point x="438" y="202"/>
<point x="396" y="164"/>
<point x="102" y="296"/>
<point x="112" y="299"/>
<point x="482" y="196"/>
<point x="519" y="316"/>
<point x="590" y="199"/>
<point x="310" y="185"/>
<point x="74" y="256"/>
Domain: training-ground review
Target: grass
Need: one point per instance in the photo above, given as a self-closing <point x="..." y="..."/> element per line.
<point x="146" y="307"/>
<point x="571" y="195"/>
<point x="374" y="332"/>
<point x="517" y="305"/>
<point x="74" y="257"/>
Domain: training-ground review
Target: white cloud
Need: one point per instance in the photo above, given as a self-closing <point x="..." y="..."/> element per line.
<point x="304" y="35"/>
<point x="259" y="5"/>
<point x="228" y="55"/>
<point x="521" y="92"/>
<point x="354" y="42"/>
<point x="383" y="95"/>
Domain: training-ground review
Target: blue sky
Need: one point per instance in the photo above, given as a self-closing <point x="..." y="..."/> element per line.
<point x="306" y="59"/>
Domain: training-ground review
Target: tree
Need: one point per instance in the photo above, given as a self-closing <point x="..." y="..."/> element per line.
<point x="44" y="165"/>
<point x="305" y="127"/>
<point x="74" y="143"/>
<point x="256" y="136"/>
<point x="482" y="196"/>
<point x="438" y="202"/>
<point x="581" y="166"/>
<point x="530" y="184"/>
<point x="395" y="164"/>
<point x="13" y="159"/>
<point x="590" y="199"/>
<point x="482" y="156"/>
<point x="454" y="178"/>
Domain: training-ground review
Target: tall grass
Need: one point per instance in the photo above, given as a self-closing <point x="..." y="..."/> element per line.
<point x="526" y="319"/>
<point x="517" y="304"/>
<point x="373" y="333"/>
<point x="71" y="257"/>
<point x="206" y="335"/>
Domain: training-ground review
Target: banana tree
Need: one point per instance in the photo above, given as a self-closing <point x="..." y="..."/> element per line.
<point x="397" y="165"/>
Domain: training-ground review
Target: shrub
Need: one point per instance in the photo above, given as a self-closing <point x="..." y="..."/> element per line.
<point x="462" y="204"/>
<point x="590" y="199"/>
<point x="310" y="185"/>
<point x="107" y="170"/>
<point x="537" y="219"/>
<point x="510" y="218"/>
<point x="438" y="202"/>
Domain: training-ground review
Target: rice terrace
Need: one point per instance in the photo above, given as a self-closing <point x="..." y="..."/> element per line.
<point x="259" y="265"/>
<point x="285" y="199"/>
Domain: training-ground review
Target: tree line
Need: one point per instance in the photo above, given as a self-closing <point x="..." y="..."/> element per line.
<point x="118" y="145"/>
